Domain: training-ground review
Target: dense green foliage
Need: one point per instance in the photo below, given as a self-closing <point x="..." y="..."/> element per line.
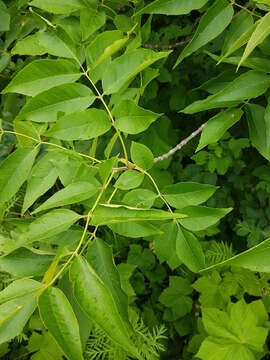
<point x="117" y="243"/>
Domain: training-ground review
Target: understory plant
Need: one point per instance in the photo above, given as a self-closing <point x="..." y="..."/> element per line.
<point x="134" y="179"/>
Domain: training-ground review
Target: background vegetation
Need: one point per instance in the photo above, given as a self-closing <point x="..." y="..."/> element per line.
<point x="117" y="243"/>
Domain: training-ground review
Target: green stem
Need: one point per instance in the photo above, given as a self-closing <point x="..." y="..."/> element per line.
<point x="76" y="252"/>
<point x="40" y="142"/>
<point x="246" y="9"/>
<point x="100" y="97"/>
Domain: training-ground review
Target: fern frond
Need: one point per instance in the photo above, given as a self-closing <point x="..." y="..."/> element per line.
<point x="218" y="252"/>
<point x="100" y="347"/>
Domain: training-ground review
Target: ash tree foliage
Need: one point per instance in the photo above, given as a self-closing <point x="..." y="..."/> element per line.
<point x="134" y="179"/>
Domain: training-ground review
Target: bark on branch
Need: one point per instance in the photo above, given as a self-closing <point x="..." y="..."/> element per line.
<point x="180" y="145"/>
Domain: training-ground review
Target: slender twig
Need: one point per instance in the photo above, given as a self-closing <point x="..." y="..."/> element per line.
<point x="180" y="145"/>
<point x="246" y="8"/>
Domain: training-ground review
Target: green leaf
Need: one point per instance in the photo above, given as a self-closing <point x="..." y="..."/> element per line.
<point x="189" y="250"/>
<point x="4" y="61"/>
<point x="19" y="288"/>
<point x="134" y="230"/>
<point x="252" y="62"/>
<point x="255" y="258"/>
<point x="44" y="347"/>
<point x="172" y="7"/>
<point x="165" y="245"/>
<point x="41" y="75"/>
<point x="30" y="132"/>
<point x="74" y="193"/>
<point x="246" y="86"/>
<point x="59" y="6"/>
<point x="25" y="263"/>
<point x="105" y="168"/>
<point x="141" y="155"/>
<point x="130" y="179"/>
<point x="212" y="24"/>
<point x="213" y="291"/>
<point x="201" y="217"/>
<point x="259" y="128"/>
<point x="228" y="336"/>
<point x="187" y="193"/>
<point x="58" y="43"/>
<point x="66" y="98"/>
<point x="14" y="315"/>
<point x="132" y="119"/>
<point x="100" y="306"/>
<point x="58" y="316"/>
<point x="95" y="50"/>
<point x="124" y="68"/>
<point x="216" y="127"/>
<point x="82" y="125"/>
<point x="141" y="198"/>
<point x="4" y="19"/>
<point x="100" y="257"/>
<point x="112" y="214"/>
<point x="42" y="178"/>
<point x="125" y="271"/>
<point x="67" y="166"/>
<point x="176" y="296"/>
<point x="50" y="224"/>
<point x="239" y="33"/>
<point x="14" y="171"/>
<point x="260" y="33"/>
<point x="91" y="21"/>
<point x="29" y="45"/>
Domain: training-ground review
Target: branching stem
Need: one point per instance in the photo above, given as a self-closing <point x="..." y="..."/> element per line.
<point x="180" y="145"/>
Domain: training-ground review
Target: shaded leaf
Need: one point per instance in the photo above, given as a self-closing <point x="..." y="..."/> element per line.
<point x="212" y="24"/>
<point x="14" y="315"/>
<point x="14" y="172"/>
<point x="247" y="86"/>
<point x="176" y="296"/>
<point x="259" y="128"/>
<point x="189" y="250"/>
<point x="260" y="33"/>
<point x="42" y="178"/>
<point x="25" y="263"/>
<point x="239" y="33"/>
